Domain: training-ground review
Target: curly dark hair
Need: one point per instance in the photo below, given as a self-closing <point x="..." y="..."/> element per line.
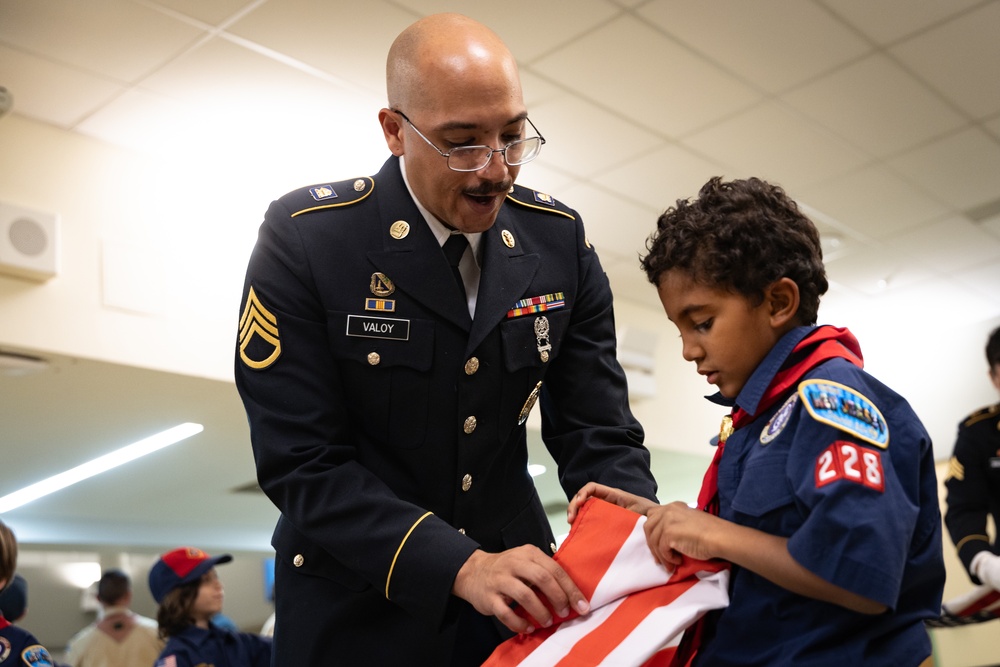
<point x="740" y="236"/>
<point x="174" y="613"/>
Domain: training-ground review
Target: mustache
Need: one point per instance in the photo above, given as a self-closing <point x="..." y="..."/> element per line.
<point x="490" y="189"/>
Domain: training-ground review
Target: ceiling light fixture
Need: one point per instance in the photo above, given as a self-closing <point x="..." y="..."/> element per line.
<point x="99" y="465"/>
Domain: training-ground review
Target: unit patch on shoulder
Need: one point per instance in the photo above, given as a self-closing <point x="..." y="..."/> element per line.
<point x="777" y="423"/>
<point x="37" y="656"/>
<point x="845" y="409"/>
<point x="260" y="344"/>
<point x="538" y="201"/>
<point x="321" y="192"/>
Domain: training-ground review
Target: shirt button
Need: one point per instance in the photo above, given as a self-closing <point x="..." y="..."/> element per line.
<point x="471" y="366"/>
<point x="470" y="424"/>
<point x="299" y="560"/>
<point x="467" y="482"/>
<point x="552" y="546"/>
<point x="374" y="358"/>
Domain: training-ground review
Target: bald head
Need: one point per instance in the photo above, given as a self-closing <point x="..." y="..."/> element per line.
<point x="447" y="52"/>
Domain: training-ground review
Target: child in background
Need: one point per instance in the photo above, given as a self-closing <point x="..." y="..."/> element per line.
<point x="186" y="586"/>
<point x="16" y="644"/>
<point x="823" y="493"/>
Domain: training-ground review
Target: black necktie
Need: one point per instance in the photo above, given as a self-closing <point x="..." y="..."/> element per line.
<point x="454" y="248"/>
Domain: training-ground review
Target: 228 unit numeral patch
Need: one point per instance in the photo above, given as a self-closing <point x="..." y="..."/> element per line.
<point x="850" y="461"/>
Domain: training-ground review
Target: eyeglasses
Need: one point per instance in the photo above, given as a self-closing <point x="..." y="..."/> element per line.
<point x="474" y="158"/>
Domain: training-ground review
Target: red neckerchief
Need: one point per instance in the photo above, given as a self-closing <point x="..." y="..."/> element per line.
<point x="822" y="343"/>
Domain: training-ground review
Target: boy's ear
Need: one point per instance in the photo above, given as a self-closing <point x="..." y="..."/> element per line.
<point x="782" y="297"/>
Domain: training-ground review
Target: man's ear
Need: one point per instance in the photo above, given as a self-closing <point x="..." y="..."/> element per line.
<point x="782" y="297"/>
<point x="392" y="129"/>
<point x="995" y="376"/>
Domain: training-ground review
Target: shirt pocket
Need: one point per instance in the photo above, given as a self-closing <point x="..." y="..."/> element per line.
<point x="386" y="374"/>
<point x="529" y="338"/>
<point x="763" y="488"/>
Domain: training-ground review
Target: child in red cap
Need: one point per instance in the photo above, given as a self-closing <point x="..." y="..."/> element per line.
<point x="186" y="586"/>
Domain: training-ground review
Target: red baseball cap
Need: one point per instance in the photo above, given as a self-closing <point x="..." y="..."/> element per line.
<point x="180" y="566"/>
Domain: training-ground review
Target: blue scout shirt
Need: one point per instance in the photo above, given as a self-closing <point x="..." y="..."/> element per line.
<point x="215" y="647"/>
<point x="19" y="648"/>
<point x="843" y="468"/>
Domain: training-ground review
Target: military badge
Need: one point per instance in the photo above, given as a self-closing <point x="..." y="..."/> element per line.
<point x="321" y="192"/>
<point x="543" y="198"/>
<point x="777" y="423"/>
<point x="381" y="305"/>
<point x="399" y="229"/>
<point x="260" y="344"/>
<point x="381" y="285"/>
<point x="528" y="404"/>
<point x="537" y="304"/>
<point x="845" y="409"/>
<point x="508" y="238"/>
<point x="359" y="185"/>
<point x="542" y="337"/>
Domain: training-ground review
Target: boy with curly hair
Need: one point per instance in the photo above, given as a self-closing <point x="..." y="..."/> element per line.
<point x="822" y="494"/>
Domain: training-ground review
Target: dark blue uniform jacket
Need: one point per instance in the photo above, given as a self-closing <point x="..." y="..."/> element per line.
<point x="388" y="426"/>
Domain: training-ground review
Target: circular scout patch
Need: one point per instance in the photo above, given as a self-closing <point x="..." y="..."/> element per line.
<point x="778" y="422"/>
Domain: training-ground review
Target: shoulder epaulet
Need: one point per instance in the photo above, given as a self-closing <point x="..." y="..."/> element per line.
<point x="980" y="415"/>
<point x="328" y="195"/>
<point x="538" y="201"/>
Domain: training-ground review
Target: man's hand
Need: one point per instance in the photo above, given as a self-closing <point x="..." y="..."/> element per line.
<point x="629" y="501"/>
<point x="492" y="582"/>
<point x="986" y="566"/>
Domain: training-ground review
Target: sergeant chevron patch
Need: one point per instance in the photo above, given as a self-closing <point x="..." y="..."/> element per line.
<point x="260" y="344"/>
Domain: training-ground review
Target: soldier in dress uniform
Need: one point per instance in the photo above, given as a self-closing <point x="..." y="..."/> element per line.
<point x="396" y="332"/>
<point x="973" y="483"/>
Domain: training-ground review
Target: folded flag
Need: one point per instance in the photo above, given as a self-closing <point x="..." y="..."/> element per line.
<point x="980" y="604"/>
<point x="639" y="608"/>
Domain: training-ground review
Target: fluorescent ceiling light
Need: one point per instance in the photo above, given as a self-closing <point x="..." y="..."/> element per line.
<point x="99" y="465"/>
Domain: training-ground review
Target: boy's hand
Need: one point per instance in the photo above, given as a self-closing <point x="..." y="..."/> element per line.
<point x="676" y="530"/>
<point x="618" y="497"/>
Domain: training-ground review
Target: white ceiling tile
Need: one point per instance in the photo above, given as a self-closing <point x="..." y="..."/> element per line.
<point x="949" y="245"/>
<point x="615" y="226"/>
<point x="661" y="177"/>
<point x="876" y="105"/>
<point x="772" y="44"/>
<point x="960" y="58"/>
<point x="994" y="126"/>
<point x="52" y="92"/>
<point x="530" y="28"/>
<point x="350" y="45"/>
<point x="221" y="77"/>
<point x="874" y="202"/>
<point x="876" y="269"/>
<point x="963" y="170"/>
<point x="212" y="13"/>
<point x="778" y="145"/>
<point x="887" y="20"/>
<point x="116" y="38"/>
<point x="643" y="75"/>
<point x="583" y="139"/>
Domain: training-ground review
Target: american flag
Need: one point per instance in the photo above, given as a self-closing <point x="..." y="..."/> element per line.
<point x="639" y="609"/>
